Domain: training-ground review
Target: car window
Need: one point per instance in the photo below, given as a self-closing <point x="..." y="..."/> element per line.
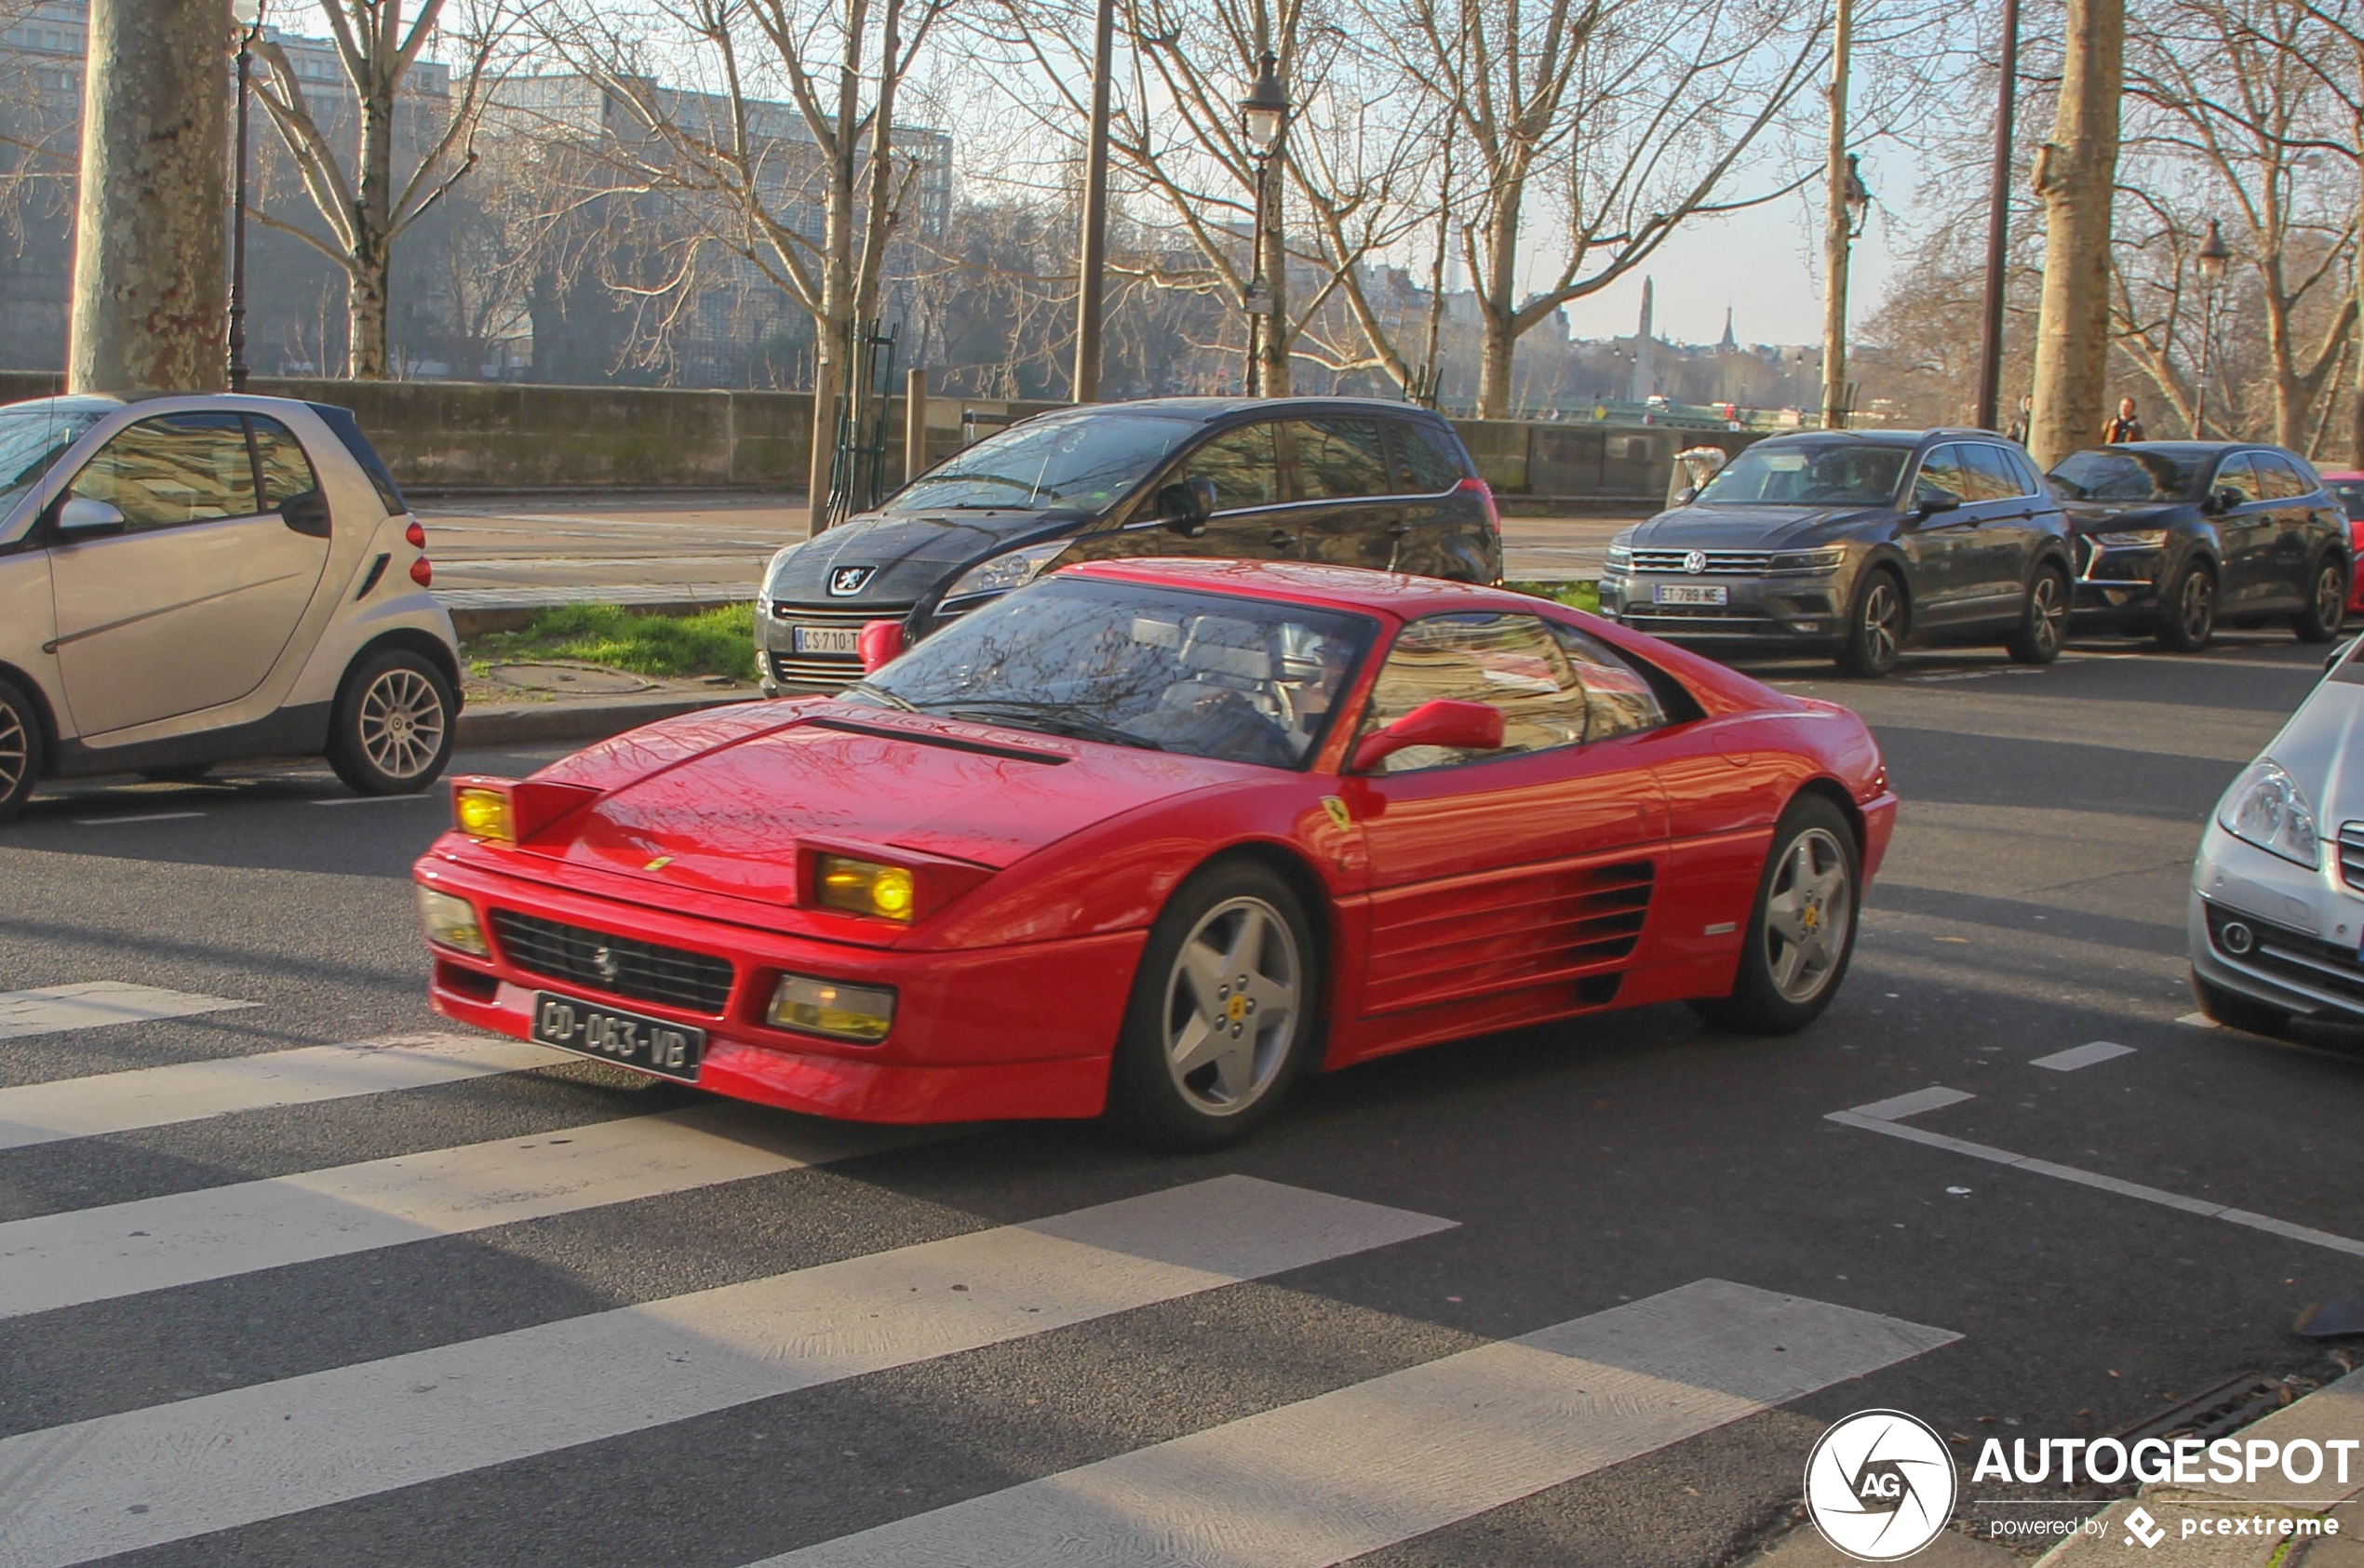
<point x="1789" y="472"/>
<point x="2119" y="473"/>
<point x="2235" y="474"/>
<point x="1336" y="459"/>
<point x="2031" y="481"/>
<point x="173" y="469"/>
<point x="1618" y="699"/>
<point x="1507" y="662"/>
<point x="1990" y="472"/>
<point x="287" y="473"/>
<point x="1943" y="476"/>
<point x="1425" y="461"/>
<point x="1243" y="465"/>
<point x="2280" y="480"/>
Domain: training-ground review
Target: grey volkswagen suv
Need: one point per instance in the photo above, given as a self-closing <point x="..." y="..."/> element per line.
<point x="1352" y="481"/>
<point x="1853" y="543"/>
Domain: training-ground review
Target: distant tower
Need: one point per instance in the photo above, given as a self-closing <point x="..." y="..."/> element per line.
<point x="1730" y="343"/>
<point x="1646" y="375"/>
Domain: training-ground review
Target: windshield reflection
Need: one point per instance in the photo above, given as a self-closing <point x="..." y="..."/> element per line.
<point x="1809" y="474"/>
<point x="2124" y="476"/>
<point x="1084" y="462"/>
<point x="34" y="435"/>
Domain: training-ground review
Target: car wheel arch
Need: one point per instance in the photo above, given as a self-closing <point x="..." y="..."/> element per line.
<point x="1836" y="792"/>
<point x="42" y="713"/>
<point x="430" y="647"/>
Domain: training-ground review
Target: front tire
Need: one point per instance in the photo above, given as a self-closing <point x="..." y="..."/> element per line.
<point x="1222" y="1013"/>
<point x="2326" y="602"/>
<point x="1801" y="932"/>
<point x="2187" y="611"/>
<point x="2043" y="619"/>
<point x="2234" y="1010"/>
<point x="393" y="727"/>
<point x="1875" y="626"/>
<point x="20" y="754"/>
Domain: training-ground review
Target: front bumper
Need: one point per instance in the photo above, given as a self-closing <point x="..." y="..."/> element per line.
<point x="789" y="671"/>
<point x="2121" y="589"/>
<point x="2298" y="949"/>
<point x="988" y="1034"/>
<point x="1801" y="610"/>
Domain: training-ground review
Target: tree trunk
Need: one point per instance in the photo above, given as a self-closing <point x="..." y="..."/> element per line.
<point x="1274" y="342"/>
<point x="1494" y="366"/>
<point x="148" y="292"/>
<point x="2076" y="174"/>
<point x="1497" y="304"/>
<point x="367" y="353"/>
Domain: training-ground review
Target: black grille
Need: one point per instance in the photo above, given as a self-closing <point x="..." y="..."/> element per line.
<point x="1746" y="563"/>
<point x="2352" y="855"/>
<point x="823" y="672"/>
<point x="639" y="970"/>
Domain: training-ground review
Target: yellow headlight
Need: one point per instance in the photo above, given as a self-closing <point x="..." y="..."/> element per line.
<point x="866" y="888"/>
<point x="451" y="922"/>
<point x="862" y="1013"/>
<point x="484" y="813"/>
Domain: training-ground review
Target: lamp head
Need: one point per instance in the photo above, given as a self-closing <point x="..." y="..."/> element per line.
<point x="2215" y="254"/>
<point x="1266" y="108"/>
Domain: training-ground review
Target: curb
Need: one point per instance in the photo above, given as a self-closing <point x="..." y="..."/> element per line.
<point x="526" y="723"/>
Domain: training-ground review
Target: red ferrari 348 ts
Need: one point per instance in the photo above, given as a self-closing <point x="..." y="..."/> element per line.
<point x="1150" y="838"/>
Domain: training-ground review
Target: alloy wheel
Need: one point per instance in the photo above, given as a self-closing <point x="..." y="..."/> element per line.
<point x="15" y="749"/>
<point x="1883" y="621"/>
<point x="1232" y="1008"/>
<point x="402" y="719"/>
<point x="1808" y="916"/>
<point x="2047" y="610"/>
<point x="2330" y="597"/>
<point x="2196" y="611"/>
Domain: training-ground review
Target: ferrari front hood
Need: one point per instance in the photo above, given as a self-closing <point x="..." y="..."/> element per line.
<point x="728" y="819"/>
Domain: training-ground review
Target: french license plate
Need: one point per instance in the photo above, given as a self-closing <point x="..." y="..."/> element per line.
<point x="1689" y="593"/>
<point x="829" y="639"/>
<point x="627" y="1037"/>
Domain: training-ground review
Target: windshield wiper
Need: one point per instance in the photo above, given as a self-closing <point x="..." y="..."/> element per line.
<point x="1051" y="718"/>
<point x="882" y="694"/>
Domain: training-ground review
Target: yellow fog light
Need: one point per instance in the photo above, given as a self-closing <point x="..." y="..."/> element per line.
<point x="865" y="888"/>
<point x="484" y="813"/>
<point x="863" y="1013"/>
<point x="451" y="922"/>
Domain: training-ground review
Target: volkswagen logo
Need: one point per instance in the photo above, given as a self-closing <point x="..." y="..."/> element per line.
<point x="847" y="581"/>
<point x="1694" y="563"/>
<point x="604" y="960"/>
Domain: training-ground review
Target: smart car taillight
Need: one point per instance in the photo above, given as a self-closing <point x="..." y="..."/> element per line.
<point x="422" y="571"/>
<point x="1484" y="491"/>
<point x="416" y="535"/>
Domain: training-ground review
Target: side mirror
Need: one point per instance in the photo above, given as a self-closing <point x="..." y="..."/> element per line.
<point x="1461" y="725"/>
<point x="1930" y="505"/>
<point x="1686" y="495"/>
<point x="1187" y="504"/>
<point x="83" y="517"/>
<point x="306" y="513"/>
<point x="880" y="644"/>
<point x="2223" y="498"/>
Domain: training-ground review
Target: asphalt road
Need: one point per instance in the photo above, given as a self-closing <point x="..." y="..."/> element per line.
<point x="462" y="1322"/>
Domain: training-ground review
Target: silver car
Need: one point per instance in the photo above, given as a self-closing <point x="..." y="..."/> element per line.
<point x="188" y="579"/>
<point x="2277" y="890"/>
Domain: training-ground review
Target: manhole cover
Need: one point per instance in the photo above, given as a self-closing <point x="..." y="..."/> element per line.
<point x="589" y="679"/>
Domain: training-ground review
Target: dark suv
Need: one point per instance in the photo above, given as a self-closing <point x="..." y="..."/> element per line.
<point x="1346" y="480"/>
<point x="1852" y="542"/>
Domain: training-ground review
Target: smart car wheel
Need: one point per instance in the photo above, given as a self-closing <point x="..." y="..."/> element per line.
<point x="1875" y="626"/>
<point x="2237" y="1011"/>
<point x="2036" y="639"/>
<point x="1222" y="1010"/>
<point x="19" y="749"/>
<point x="1802" y="931"/>
<point x="391" y="731"/>
<point x="2187" y="617"/>
<point x="2326" y="602"/>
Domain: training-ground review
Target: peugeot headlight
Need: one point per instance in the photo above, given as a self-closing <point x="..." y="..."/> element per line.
<point x="1004" y="572"/>
<point x="2131" y="539"/>
<point x="2266" y="808"/>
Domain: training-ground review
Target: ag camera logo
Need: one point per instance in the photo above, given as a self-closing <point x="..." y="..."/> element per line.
<point x="1880" y="1485"/>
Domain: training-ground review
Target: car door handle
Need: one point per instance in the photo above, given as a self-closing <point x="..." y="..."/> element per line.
<point x="1398" y="527"/>
<point x="1282" y="538"/>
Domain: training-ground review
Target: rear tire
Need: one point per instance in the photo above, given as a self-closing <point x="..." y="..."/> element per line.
<point x="1225" y="1008"/>
<point x="2187" y="610"/>
<point x="2326" y="601"/>
<point x="393" y="726"/>
<point x="2234" y="1010"/>
<point x="20" y="752"/>
<point x="1875" y="626"/>
<point x="1801" y="931"/>
<point x="2043" y="619"/>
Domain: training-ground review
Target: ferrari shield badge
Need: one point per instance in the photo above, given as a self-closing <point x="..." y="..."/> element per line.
<point x="1338" y="813"/>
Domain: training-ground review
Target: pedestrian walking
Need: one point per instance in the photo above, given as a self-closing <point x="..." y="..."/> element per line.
<point x="2128" y="426"/>
<point x="2022" y="422"/>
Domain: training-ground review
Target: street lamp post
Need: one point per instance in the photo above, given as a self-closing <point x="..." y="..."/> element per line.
<point x="2213" y="254"/>
<point x="249" y="16"/>
<point x="1264" y="115"/>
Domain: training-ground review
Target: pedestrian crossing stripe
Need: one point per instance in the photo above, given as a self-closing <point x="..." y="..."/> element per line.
<point x="93" y="1004"/>
<point x="120" y="1482"/>
<point x="100" y="1104"/>
<point x="1317" y="1483"/>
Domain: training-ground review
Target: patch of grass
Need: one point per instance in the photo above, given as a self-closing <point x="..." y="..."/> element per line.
<point x="1579" y="595"/>
<point x="716" y="641"/>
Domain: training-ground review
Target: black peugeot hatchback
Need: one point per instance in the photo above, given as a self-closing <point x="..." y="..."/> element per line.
<point x="1352" y="481"/>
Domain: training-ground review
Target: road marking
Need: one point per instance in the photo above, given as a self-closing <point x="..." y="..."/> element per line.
<point x="381" y="800"/>
<point x="94" y="1004"/>
<point x="1860" y="1116"/>
<point x="1935" y="1096"/>
<point x="212" y="1233"/>
<point x="248" y="1454"/>
<point x="1329" y="1478"/>
<point x="2085" y="1056"/>
<point x="104" y="1102"/>
<point x="143" y="816"/>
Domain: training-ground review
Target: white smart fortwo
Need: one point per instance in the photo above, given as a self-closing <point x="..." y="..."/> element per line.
<point x="189" y="579"/>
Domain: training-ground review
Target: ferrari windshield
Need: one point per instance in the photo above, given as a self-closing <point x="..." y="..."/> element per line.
<point x="1209" y="675"/>
<point x="2124" y="476"/>
<point x="32" y="435"/>
<point x="1809" y="474"/>
<point x="1080" y="461"/>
